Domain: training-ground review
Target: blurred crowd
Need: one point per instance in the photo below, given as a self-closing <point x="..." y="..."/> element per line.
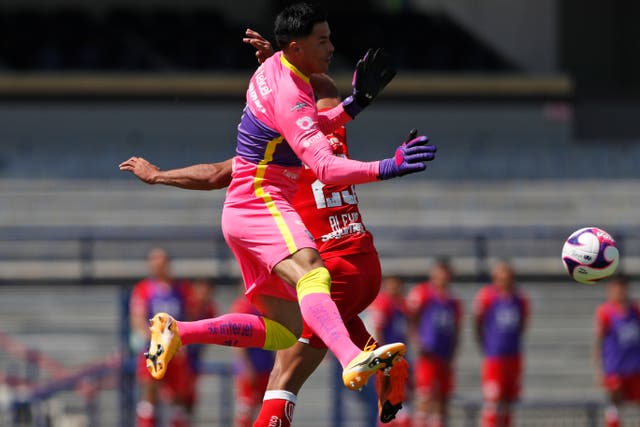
<point x="154" y="39"/>
<point x="428" y="316"/>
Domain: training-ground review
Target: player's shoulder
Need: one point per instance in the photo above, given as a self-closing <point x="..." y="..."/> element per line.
<point x="522" y="296"/>
<point x="142" y="286"/>
<point x="487" y="292"/>
<point x="419" y="289"/>
<point x="604" y="310"/>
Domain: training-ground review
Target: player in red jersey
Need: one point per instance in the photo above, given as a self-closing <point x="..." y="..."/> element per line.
<point x="616" y="350"/>
<point x="501" y="317"/>
<point x="435" y="315"/>
<point x="251" y="368"/>
<point x="160" y="291"/>
<point x="279" y="131"/>
<point x="332" y="216"/>
<point x="346" y="249"/>
<point x="388" y="314"/>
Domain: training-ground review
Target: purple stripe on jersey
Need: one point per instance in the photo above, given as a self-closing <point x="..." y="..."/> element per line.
<point x="437" y="328"/>
<point x="396" y="328"/>
<point x="167" y="301"/>
<point x="253" y="138"/>
<point x="621" y="344"/>
<point x="502" y="328"/>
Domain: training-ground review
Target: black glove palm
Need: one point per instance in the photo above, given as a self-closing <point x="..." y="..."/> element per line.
<point x="373" y="72"/>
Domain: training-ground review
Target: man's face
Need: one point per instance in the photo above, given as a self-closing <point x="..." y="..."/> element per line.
<point x="617" y="291"/>
<point x="503" y="276"/>
<point x="440" y="276"/>
<point x="393" y="286"/>
<point x="316" y="50"/>
<point x="159" y="263"/>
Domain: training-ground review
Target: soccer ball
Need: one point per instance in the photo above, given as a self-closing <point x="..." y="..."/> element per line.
<point x="590" y="254"/>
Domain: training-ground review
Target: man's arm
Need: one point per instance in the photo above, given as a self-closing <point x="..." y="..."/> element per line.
<point x="208" y="176"/>
<point x="596" y="351"/>
<point x="479" y="309"/>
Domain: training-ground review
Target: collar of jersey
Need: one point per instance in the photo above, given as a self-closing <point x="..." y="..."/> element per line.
<point x="293" y="68"/>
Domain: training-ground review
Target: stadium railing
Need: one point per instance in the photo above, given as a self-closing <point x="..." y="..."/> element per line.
<point x="111" y="253"/>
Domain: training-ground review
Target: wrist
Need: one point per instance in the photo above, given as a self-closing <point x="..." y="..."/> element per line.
<point x="155" y="178"/>
<point x="351" y="106"/>
<point x="387" y="169"/>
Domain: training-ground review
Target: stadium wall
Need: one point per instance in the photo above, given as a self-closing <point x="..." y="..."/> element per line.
<point x="489" y="141"/>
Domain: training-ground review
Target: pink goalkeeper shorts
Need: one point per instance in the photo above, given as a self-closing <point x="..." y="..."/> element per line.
<point x="260" y="225"/>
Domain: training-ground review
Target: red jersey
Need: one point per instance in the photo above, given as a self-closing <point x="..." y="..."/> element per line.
<point x="504" y="316"/>
<point x="438" y="314"/>
<point x="330" y="212"/>
<point x="389" y="318"/>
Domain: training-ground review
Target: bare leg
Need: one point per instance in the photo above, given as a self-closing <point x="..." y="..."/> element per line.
<point x="294" y="366"/>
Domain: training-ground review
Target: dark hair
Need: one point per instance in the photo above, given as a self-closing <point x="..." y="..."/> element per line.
<point x="297" y="21"/>
<point x="620" y="278"/>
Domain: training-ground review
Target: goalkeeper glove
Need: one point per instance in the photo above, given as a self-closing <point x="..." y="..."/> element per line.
<point x="373" y="72"/>
<point x="409" y="157"/>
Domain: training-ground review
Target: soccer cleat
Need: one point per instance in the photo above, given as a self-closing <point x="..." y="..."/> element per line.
<point x="165" y="341"/>
<point x="390" y="386"/>
<point x="365" y="364"/>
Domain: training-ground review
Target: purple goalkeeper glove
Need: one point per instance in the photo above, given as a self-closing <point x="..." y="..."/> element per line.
<point x="373" y="72"/>
<point x="409" y="157"/>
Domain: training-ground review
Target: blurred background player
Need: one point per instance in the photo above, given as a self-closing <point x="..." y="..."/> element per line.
<point x="435" y="317"/>
<point x="388" y="317"/>
<point x="617" y="347"/>
<point x="251" y="368"/>
<point x="161" y="292"/>
<point x="388" y="313"/>
<point x="501" y="314"/>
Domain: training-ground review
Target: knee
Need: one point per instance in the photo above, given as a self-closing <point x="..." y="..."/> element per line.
<point x="308" y="258"/>
<point x="296" y="329"/>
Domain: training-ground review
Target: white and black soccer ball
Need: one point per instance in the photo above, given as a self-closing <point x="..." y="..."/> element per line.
<point x="590" y="254"/>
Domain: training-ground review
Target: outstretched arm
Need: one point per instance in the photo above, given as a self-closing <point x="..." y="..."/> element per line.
<point x="208" y="176"/>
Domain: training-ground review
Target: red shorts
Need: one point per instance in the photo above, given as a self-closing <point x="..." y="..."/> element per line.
<point x="179" y="381"/>
<point x="355" y="283"/>
<point x="501" y="378"/>
<point x="434" y="378"/>
<point x="627" y="385"/>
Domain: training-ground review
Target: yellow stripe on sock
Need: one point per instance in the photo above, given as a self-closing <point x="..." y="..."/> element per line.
<point x="266" y="197"/>
<point x="316" y="281"/>
<point x="277" y="337"/>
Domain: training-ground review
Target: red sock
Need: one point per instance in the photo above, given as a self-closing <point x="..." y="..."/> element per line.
<point x="506" y="419"/>
<point x="233" y="329"/>
<point x="489" y="415"/>
<point x="145" y="416"/>
<point x="611" y="417"/>
<point x="178" y="417"/>
<point x="277" y="409"/>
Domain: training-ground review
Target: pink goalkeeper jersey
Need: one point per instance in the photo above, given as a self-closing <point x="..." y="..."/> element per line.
<point x="281" y="126"/>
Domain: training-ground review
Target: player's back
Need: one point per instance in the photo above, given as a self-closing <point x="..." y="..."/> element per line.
<point x="620" y="326"/>
<point x="503" y="316"/>
<point x="438" y="315"/>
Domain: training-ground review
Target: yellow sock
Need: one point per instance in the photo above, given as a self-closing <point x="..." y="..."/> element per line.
<point x="316" y="281"/>
<point x="277" y="337"/>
